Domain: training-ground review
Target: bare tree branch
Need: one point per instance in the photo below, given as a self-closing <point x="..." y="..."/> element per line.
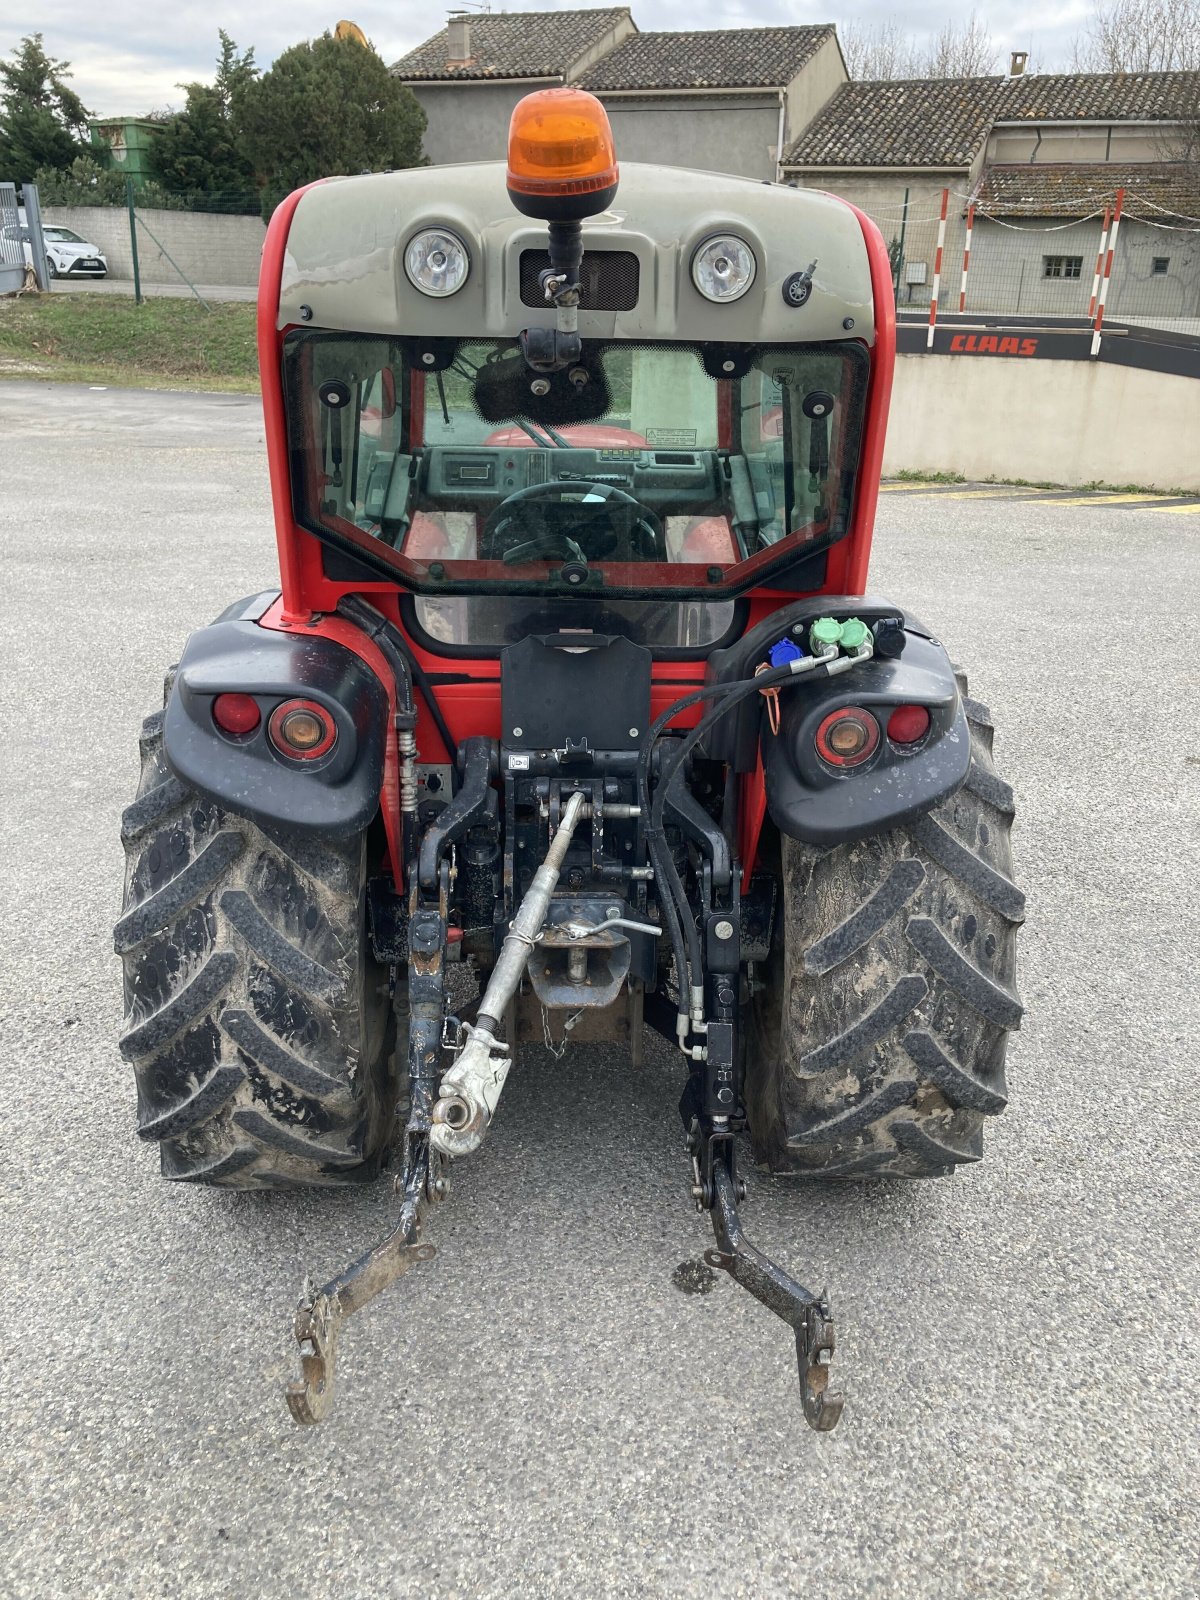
<point x="1141" y="36"/>
<point x="961" y="49"/>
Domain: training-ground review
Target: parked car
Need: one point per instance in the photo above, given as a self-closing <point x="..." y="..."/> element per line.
<point x="68" y="255"/>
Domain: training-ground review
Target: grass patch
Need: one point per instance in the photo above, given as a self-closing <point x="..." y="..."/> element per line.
<point x="908" y="475"/>
<point x="161" y="344"/>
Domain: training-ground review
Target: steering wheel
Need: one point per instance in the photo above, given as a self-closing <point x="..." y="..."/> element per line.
<point x="592" y="529"/>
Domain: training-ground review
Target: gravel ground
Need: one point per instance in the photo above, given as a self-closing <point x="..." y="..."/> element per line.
<point x="540" y="1411"/>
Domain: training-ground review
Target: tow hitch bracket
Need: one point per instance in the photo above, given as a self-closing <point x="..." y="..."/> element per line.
<point x="807" y="1314"/>
<point x="319" y="1315"/>
<point x="718" y="1189"/>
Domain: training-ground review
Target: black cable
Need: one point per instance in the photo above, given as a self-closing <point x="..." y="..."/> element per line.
<point x="666" y="874"/>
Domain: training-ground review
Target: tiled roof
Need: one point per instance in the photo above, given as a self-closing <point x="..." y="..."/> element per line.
<point x="726" y="58"/>
<point x="514" y="44"/>
<point x="1103" y="96"/>
<point x="1156" y="190"/>
<point x="939" y="122"/>
<point x="943" y="122"/>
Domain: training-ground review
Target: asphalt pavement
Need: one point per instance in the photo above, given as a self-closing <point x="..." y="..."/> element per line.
<point x="540" y="1411"/>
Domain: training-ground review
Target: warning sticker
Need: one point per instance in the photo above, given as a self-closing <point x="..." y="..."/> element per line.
<point x="671" y="436"/>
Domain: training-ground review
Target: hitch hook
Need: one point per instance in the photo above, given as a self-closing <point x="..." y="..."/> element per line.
<point x="807" y="1314"/>
<point x="321" y="1312"/>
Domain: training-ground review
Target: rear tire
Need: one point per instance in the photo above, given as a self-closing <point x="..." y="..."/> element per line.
<point x="877" y="1041"/>
<point x="257" y="1021"/>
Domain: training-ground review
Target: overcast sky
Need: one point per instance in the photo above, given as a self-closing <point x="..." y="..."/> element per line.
<point x="129" y="55"/>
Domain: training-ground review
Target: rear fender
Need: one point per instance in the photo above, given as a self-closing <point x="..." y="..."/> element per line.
<point x="338" y="793"/>
<point x="824" y="806"/>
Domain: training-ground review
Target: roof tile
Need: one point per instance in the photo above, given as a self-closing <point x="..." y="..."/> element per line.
<point x="943" y="122"/>
<point x="723" y="58"/>
<point x="514" y="44"/>
<point x="1155" y="190"/>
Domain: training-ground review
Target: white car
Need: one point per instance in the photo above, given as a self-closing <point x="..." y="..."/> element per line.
<point x="68" y="255"/>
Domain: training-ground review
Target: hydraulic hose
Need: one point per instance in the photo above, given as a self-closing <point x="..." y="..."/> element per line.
<point x="378" y="627"/>
<point x="826" y="665"/>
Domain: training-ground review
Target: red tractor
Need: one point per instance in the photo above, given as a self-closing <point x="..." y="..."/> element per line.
<point x="571" y="683"/>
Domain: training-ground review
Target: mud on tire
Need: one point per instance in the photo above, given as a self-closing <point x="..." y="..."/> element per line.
<point x="256" y="1019"/>
<point x="877" y="1041"/>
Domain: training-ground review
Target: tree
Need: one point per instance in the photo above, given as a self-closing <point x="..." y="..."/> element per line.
<point x="327" y="106"/>
<point x="1141" y="36"/>
<point x="962" y="48"/>
<point x="43" y="122"/>
<point x="199" y="153"/>
<point x="86" y="183"/>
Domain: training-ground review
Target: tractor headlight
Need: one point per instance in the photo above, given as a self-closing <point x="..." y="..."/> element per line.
<point x="723" y="267"/>
<point x="437" y="262"/>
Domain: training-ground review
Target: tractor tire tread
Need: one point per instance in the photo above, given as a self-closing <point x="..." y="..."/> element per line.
<point x="877" y="1040"/>
<point x="257" y="1021"/>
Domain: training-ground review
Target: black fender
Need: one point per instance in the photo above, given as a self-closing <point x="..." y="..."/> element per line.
<point x="336" y="794"/>
<point x="826" y="806"/>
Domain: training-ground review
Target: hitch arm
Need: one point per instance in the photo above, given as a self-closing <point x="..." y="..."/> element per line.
<point x="319" y="1315"/>
<point x="420" y="1181"/>
<point x="807" y="1314"/>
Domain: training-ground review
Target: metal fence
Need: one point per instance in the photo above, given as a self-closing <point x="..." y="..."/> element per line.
<point x="1128" y="261"/>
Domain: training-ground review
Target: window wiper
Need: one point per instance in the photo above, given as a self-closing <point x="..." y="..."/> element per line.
<point x="542" y="444"/>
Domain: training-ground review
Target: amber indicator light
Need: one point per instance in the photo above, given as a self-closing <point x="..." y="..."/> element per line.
<point x="848" y="737"/>
<point x="302" y="730"/>
<point x="560" y="143"/>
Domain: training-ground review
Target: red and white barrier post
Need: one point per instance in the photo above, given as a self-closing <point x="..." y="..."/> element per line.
<point x="1108" y="266"/>
<point x="937" y="269"/>
<point x="1099" y="261"/>
<point x="962" y="288"/>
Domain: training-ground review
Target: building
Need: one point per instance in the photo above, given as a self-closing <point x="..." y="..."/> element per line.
<point x="469" y="76"/>
<point x="729" y="100"/>
<point x="127" y="141"/>
<point x="1039" y="158"/>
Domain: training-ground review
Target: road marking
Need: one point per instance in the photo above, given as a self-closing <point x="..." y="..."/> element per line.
<point x="988" y="494"/>
<point x="1100" y="499"/>
<point x="1178" y="511"/>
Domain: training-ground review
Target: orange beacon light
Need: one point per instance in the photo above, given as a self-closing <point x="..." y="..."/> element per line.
<point x="562" y="164"/>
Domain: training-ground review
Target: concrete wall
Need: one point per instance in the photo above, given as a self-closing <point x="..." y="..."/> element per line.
<point x="811" y="90"/>
<point x="710" y="133"/>
<point x="1008" y="270"/>
<point x="208" y="247"/>
<point x="1072" y="422"/>
<point x="1119" y="142"/>
<point x="881" y="196"/>
<point x="469" y="121"/>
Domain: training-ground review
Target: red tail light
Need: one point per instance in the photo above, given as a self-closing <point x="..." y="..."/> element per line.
<point x="908" y="724"/>
<point x="302" y="730"/>
<point x="237" y="714"/>
<point x="848" y="737"/>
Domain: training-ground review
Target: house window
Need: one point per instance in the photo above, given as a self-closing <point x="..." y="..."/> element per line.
<point x="1062" y="266"/>
<point x="1160" y="266"/>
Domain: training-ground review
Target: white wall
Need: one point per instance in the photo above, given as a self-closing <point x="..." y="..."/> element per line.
<point x="1070" y="422"/>
<point x="209" y="248"/>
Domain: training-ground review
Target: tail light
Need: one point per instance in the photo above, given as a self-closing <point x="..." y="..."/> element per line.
<point x="302" y="730"/>
<point x="847" y="737"/>
<point x="236" y="714"/>
<point x="908" y="724"/>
